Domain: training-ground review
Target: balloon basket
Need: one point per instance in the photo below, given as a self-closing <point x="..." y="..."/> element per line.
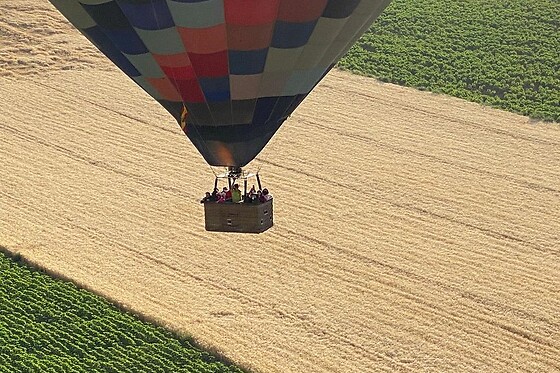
<point x="243" y="217"/>
<point x="238" y="217"/>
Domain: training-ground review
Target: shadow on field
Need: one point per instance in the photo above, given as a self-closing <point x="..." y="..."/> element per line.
<point x="23" y="261"/>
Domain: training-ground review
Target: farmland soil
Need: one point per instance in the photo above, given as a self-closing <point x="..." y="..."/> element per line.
<point x="413" y="232"/>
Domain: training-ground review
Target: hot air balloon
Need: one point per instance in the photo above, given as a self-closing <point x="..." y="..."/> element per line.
<point x="229" y="71"/>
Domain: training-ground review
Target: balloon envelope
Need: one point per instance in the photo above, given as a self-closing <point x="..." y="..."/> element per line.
<point x="229" y="71"/>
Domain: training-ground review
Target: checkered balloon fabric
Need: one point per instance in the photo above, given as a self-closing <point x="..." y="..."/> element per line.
<point x="231" y="71"/>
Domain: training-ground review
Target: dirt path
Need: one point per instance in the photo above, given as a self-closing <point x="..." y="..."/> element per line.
<point x="414" y="232"/>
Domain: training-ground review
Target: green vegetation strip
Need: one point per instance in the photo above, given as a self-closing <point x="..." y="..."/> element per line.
<point x="49" y="325"/>
<point x="503" y="53"/>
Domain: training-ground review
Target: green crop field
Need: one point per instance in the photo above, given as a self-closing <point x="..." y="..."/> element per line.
<point x="503" y="53"/>
<point x="49" y="325"/>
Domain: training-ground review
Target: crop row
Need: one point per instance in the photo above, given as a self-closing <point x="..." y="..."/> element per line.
<point x="47" y="325"/>
<point x="503" y="53"/>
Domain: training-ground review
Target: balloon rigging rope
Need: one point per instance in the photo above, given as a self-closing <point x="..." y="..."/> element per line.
<point x="197" y="133"/>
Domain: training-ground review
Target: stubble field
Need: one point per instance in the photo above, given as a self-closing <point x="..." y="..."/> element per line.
<point x="414" y="232"/>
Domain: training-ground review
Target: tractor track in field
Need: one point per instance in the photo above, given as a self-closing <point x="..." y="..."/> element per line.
<point x="423" y="211"/>
<point x="370" y="140"/>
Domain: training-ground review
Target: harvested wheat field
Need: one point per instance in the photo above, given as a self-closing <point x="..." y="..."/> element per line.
<point x="414" y="232"/>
